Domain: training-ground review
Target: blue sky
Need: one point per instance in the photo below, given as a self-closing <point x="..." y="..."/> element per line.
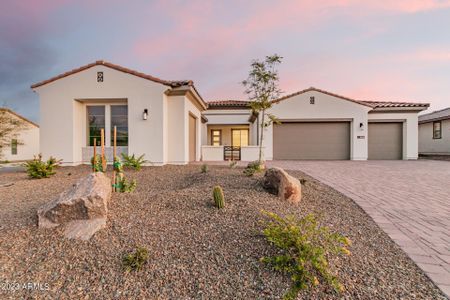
<point x="369" y="50"/>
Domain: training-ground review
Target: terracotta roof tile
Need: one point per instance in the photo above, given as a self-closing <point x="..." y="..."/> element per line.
<point x="382" y="104"/>
<point x="171" y="83"/>
<point x="226" y="103"/>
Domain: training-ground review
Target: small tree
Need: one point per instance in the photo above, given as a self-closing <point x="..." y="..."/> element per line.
<point x="10" y="126"/>
<point x="261" y="86"/>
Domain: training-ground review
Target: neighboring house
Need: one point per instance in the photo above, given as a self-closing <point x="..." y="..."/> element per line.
<point x="434" y="132"/>
<point x="25" y="144"/>
<point x="170" y="123"/>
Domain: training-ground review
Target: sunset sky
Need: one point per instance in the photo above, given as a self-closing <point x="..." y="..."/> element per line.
<point x="370" y="50"/>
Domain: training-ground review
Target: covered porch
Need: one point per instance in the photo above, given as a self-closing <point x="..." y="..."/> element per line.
<point x="225" y="142"/>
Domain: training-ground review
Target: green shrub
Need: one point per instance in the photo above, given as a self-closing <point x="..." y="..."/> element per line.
<point x="133" y="162"/>
<point x="96" y="163"/>
<point x="304" y="250"/>
<point x="204" y="168"/>
<point x="123" y="186"/>
<point x="249" y="172"/>
<point x="134" y="261"/>
<point x="37" y="168"/>
<point x="253" y="167"/>
<point x="233" y="164"/>
<point x="219" y="199"/>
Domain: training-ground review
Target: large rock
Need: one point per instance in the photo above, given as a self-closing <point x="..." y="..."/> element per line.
<point x="81" y="209"/>
<point x="278" y="182"/>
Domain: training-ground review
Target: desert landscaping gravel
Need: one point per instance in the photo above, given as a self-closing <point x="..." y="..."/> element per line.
<point x="196" y="251"/>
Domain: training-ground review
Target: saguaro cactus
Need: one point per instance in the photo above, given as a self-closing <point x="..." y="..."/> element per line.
<point x="218" y="197"/>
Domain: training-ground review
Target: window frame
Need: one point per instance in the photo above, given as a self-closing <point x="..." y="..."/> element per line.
<point x="435" y="137"/>
<point x="240" y="129"/>
<point x="212" y="137"/>
<point x="88" y="127"/>
<point x="112" y="126"/>
<point x="14" y="147"/>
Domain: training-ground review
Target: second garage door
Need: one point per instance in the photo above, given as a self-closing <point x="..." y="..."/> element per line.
<point x="312" y="140"/>
<point x="385" y="140"/>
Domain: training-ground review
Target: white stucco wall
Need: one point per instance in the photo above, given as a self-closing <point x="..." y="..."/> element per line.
<point x="410" y="129"/>
<point x="29" y="137"/>
<point x="428" y="145"/>
<point x="325" y="107"/>
<point x="63" y="119"/>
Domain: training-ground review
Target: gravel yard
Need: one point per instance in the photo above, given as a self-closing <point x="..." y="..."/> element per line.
<point x="196" y="250"/>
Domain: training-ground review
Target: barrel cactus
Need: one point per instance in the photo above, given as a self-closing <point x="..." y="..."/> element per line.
<point x="218" y="197"/>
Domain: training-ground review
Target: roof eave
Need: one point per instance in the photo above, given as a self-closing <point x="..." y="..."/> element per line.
<point x="399" y="109"/>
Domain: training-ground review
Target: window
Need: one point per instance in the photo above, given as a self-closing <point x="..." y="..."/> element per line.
<point x="96" y="121"/>
<point x="239" y="137"/>
<point x="437" y="132"/>
<point x="14" y="147"/>
<point x="216" y="137"/>
<point x="119" y="118"/>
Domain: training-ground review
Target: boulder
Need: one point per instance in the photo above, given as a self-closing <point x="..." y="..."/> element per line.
<point x="82" y="209"/>
<point x="280" y="183"/>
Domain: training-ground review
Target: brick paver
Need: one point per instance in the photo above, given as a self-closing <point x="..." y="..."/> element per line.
<point x="409" y="200"/>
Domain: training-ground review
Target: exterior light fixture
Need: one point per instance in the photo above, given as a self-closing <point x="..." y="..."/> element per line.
<point x="145" y="114"/>
<point x="361" y="126"/>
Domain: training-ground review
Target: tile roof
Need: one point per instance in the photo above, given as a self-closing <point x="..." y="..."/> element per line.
<point x="442" y="114"/>
<point x="4" y="109"/>
<point x="372" y="104"/>
<point x="383" y="104"/>
<point x="171" y="83"/>
<point x="228" y="103"/>
<point x="313" y="89"/>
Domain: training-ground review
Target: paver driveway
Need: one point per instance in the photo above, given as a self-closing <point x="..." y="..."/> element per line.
<point x="409" y="200"/>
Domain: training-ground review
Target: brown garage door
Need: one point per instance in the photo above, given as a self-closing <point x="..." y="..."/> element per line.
<point x="311" y="140"/>
<point x="192" y="137"/>
<point x="385" y="140"/>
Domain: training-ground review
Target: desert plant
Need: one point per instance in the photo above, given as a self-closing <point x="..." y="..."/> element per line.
<point x="204" y="168"/>
<point x="262" y="89"/>
<point x="302" y="181"/>
<point x="252" y="168"/>
<point x="132" y="161"/>
<point x="233" y="164"/>
<point x="219" y="199"/>
<point x="37" y="168"/>
<point x="249" y="172"/>
<point x="135" y="260"/>
<point x="96" y="163"/>
<point x="304" y="251"/>
<point x="123" y="186"/>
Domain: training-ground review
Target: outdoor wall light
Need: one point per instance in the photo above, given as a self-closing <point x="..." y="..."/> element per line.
<point x="361" y="126"/>
<point x="145" y="114"/>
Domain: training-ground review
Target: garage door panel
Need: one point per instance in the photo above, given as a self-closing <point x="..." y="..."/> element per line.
<point x="312" y="140"/>
<point x="385" y="141"/>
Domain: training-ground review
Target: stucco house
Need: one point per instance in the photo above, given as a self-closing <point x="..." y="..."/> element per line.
<point x="170" y="123"/>
<point x="24" y="143"/>
<point x="434" y="133"/>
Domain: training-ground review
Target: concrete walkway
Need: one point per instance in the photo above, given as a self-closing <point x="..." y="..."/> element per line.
<point x="409" y="200"/>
